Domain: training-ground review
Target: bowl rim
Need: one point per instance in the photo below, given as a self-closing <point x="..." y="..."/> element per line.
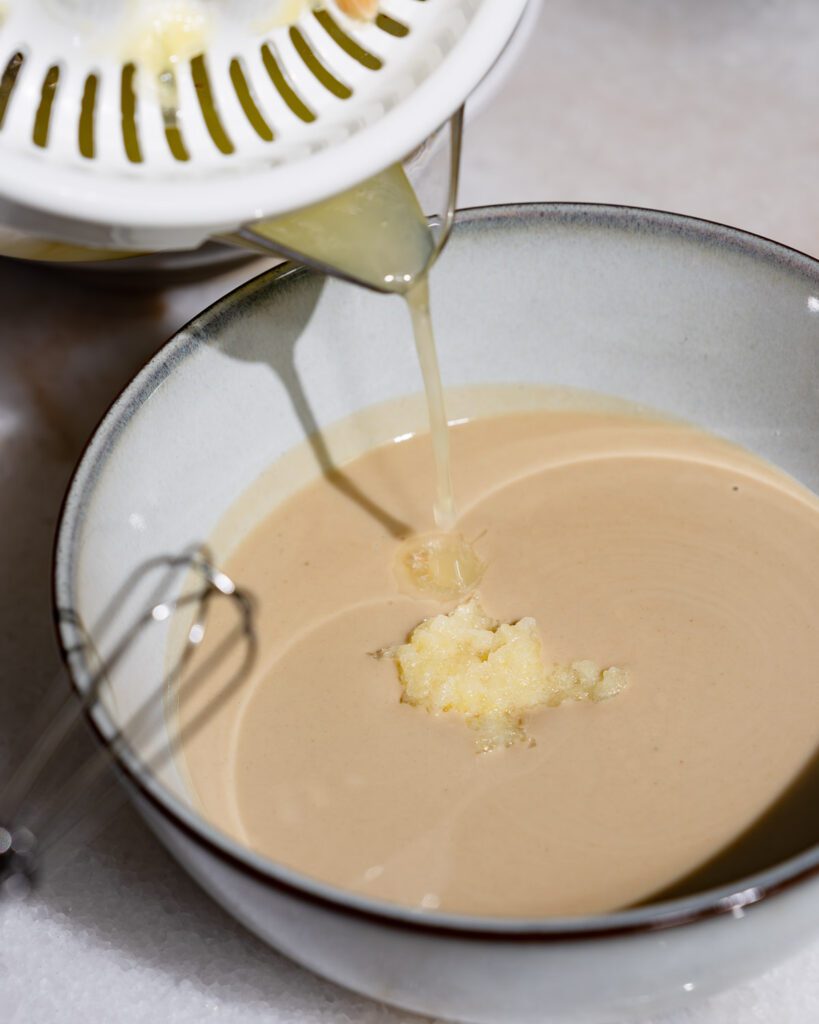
<point x="732" y="899"/>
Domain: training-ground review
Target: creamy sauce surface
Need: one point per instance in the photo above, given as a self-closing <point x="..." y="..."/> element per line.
<point x="632" y="541"/>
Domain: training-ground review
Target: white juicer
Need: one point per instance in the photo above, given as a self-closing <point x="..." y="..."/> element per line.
<point x="153" y="125"/>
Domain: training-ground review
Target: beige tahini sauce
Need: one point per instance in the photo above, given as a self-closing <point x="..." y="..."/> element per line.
<point x="631" y="541"/>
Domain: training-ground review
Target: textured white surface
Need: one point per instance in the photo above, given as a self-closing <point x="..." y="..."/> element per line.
<point x="707" y="108"/>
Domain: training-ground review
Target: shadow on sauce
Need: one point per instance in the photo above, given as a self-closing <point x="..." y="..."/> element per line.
<point x="790" y="826"/>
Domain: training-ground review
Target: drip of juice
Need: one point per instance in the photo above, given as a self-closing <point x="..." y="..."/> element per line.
<point x="376" y="234"/>
<point x="417" y="299"/>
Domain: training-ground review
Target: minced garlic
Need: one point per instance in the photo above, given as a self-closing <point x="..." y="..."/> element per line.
<point x="492" y="673"/>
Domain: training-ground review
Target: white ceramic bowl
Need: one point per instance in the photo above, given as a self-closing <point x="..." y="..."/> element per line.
<point x="704" y="322"/>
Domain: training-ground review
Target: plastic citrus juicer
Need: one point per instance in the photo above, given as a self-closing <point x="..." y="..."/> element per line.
<point x="133" y="126"/>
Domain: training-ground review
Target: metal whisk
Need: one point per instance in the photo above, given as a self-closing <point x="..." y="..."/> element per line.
<point x="36" y="820"/>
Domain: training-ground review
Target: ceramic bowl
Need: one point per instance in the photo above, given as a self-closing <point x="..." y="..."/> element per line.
<point x="704" y="322"/>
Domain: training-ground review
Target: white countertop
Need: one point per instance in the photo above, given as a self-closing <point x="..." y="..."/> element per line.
<point x="706" y="108"/>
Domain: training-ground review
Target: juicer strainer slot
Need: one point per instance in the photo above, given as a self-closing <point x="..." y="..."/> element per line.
<point x="8" y="81"/>
<point x="106" y="142"/>
<point x="308" y="65"/>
